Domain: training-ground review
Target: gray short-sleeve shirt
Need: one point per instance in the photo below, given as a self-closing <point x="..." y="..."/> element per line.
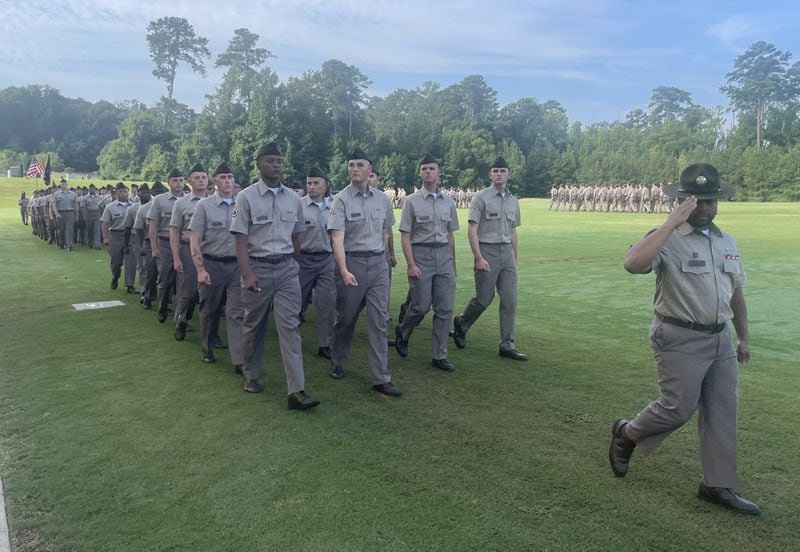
<point x="315" y="236"/>
<point x="268" y="219"/>
<point x="363" y="216"/>
<point x="428" y="218"/>
<point x="496" y="214"/>
<point x="212" y="221"/>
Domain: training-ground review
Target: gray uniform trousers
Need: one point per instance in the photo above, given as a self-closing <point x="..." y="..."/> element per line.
<point x="150" y="282"/>
<point x="224" y="289"/>
<point x="166" y="273"/>
<point x="66" y="227"/>
<point x="696" y="371"/>
<point x="318" y="273"/>
<point x="437" y="287"/>
<point x="93" y="229"/>
<point x="118" y="257"/>
<point x="372" y="275"/>
<point x="280" y="290"/>
<point x="186" y="294"/>
<point x="502" y="275"/>
<point x="139" y="261"/>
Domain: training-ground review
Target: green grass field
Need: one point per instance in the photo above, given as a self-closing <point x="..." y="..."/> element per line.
<point x="114" y="437"/>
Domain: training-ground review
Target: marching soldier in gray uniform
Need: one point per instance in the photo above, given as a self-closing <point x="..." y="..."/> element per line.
<point x="493" y="219"/>
<point x="361" y="217"/>
<point x="699" y="279"/>
<point x="92" y="212"/>
<point x="132" y="241"/>
<point x="142" y="236"/>
<point x="267" y="223"/>
<point x="213" y="250"/>
<point x="426" y="225"/>
<point x="66" y="207"/>
<point x="158" y="230"/>
<point x="113" y="224"/>
<point x="182" y="212"/>
<point x="317" y="264"/>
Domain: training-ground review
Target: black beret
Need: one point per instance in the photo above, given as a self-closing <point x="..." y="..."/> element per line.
<point x="316" y="172"/>
<point x="197" y="168"/>
<point x="269" y="149"/>
<point x="144" y="187"/>
<point x="175" y="173"/>
<point x="223" y="168"/>
<point x="63" y="181"/>
<point x="375" y="171"/>
<point x="158" y="188"/>
<point x="92" y="185"/>
<point x="428" y="159"/>
<point x="358" y="153"/>
<point x="121" y="186"/>
<point x="499" y="163"/>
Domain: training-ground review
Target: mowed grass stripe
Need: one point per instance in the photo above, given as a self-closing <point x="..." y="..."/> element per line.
<point x="115" y="437"/>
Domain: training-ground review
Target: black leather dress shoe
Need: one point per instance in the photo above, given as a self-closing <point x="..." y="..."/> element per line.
<point x="252" y="386"/>
<point x="400" y="344"/>
<point x="324" y="352"/>
<point x="728" y="498"/>
<point x="337" y="372"/>
<point x="220" y="345"/>
<point x="180" y="331"/>
<point x="161" y="316"/>
<point x="131" y="289"/>
<point x="513" y="354"/>
<point x="208" y="357"/>
<point x="443" y="364"/>
<point x="459" y="335"/>
<point x="301" y="401"/>
<point x="388" y="389"/>
<point x="146" y="303"/>
<point x="621" y="449"/>
<point x="114" y="283"/>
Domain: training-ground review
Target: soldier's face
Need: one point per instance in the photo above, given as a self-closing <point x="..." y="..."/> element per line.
<point x="122" y="195"/>
<point x="315" y="187"/>
<point x="429" y="173"/>
<point x="358" y="170"/>
<point x="175" y="184"/>
<point x="198" y="182"/>
<point x="704" y="213"/>
<point x="372" y="180"/>
<point x="499" y="176"/>
<point x="224" y="184"/>
<point x="144" y="195"/>
<point x="270" y="166"/>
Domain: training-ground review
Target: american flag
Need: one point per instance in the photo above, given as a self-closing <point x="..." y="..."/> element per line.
<point x="35" y="169"/>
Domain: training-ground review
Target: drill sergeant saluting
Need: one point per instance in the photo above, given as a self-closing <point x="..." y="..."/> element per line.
<point x="182" y="212"/>
<point x="426" y="226"/>
<point x="267" y="224"/>
<point x="493" y="219"/>
<point x="218" y="277"/>
<point x="158" y="220"/>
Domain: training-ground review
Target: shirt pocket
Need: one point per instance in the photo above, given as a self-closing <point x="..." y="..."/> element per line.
<point x="492" y="215"/>
<point x="695" y="266"/>
<point x="260" y="218"/>
<point x="355" y="216"/>
<point x="377" y="213"/>
<point x="289" y="216"/>
<point x="511" y="216"/>
<point x="732" y="266"/>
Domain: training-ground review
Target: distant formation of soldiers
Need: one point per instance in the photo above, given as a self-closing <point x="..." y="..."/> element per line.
<point x="611" y="198"/>
<point x="461" y="197"/>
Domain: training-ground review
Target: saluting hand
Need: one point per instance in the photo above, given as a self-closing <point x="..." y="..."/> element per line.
<point x="681" y="213"/>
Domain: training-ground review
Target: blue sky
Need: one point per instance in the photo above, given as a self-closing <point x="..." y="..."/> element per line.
<point x="599" y="59"/>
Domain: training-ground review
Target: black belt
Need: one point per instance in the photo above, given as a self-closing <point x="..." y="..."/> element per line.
<point x="501" y="243"/>
<point x="219" y="259"/>
<point x="115" y="230"/>
<point x="316" y="252"/>
<point x="163" y="238"/>
<point x="272" y="259"/>
<point x="364" y="253"/>
<point x="428" y="244"/>
<point x="710" y="328"/>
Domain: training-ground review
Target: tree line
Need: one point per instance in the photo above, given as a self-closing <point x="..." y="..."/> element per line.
<point x="323" y="113"/>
